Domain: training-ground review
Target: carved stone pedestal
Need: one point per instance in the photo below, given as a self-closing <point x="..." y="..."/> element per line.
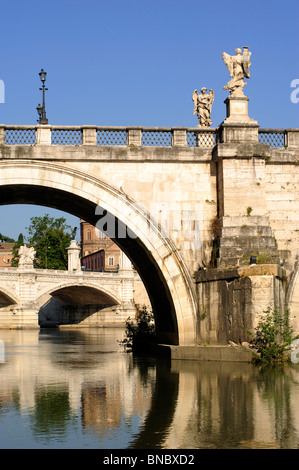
<point x="237" y="109"/>
<point x="238" y="126"/>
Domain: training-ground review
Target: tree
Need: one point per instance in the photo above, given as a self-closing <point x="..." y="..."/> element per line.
<point x="15" y="251"/>
<point x="3" y="238"/>
<point x="50" y="238"/>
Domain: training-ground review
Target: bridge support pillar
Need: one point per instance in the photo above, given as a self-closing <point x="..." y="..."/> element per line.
<point x="292" y="140"/>
<point x="43" y="134"/>
<point x="2" y="134"/>
<point x="179" y="137"/>
<point x="89" y="135"/>
<point x="243" y="228"/>
<point x="135" y="136"/>
<point x="25" y="314"/>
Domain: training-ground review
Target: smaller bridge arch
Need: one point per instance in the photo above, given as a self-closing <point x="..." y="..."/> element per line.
<point x="7" y="297"/>
<point x="72" y="303"/>
<point x="76" y="293"/>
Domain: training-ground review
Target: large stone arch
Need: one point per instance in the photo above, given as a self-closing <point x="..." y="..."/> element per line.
<point x="161" y="268"/>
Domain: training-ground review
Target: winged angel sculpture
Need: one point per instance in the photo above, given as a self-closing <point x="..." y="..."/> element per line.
<point x="238" y="68"/>
<point x="26" y="255"/>
<point x="203" y="106"/>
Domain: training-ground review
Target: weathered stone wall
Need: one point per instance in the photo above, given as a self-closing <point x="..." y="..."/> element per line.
<point x="232" y="301"/>
<point x="281" y="184"/>
<point x="255" y="180"/>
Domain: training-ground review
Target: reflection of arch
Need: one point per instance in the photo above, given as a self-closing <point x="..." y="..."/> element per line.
<point x="161" y="268"/>
<point x="72" y="293"/>
<point x="6" y="297"/>
<point x="164" y="401"/>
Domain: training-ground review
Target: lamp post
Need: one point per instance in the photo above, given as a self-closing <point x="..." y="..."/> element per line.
<point x="42" y="109"/>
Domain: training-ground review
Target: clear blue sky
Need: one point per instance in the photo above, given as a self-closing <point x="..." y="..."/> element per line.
<point x="137" y="62"/>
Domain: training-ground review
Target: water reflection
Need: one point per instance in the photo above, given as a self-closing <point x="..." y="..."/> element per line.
<point x="78" y="389"/>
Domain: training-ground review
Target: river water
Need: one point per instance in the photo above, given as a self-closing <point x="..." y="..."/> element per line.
<point x="78" y="389"/>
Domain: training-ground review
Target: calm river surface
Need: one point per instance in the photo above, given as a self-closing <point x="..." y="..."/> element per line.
<point x="76" y="388"/>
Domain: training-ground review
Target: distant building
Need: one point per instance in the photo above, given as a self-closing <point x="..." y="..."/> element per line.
<point x="6" y="254"/>
<point x="92" y="243"/>
<point x="94" y="261"/>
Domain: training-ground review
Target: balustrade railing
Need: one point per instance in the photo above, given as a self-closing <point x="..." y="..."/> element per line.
<point x="132" y="136"/>
<point x="20" y="135"/>
<point x="62" y="136"/>
<point x="157" y="137"/>
<point x="201" y="138"/>
<point x="109" y="136"/>
<point x="273" y="137"/>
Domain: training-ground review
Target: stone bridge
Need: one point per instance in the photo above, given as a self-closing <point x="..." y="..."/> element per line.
<point x="44" y="297"/>
<point x="177" y="200"/>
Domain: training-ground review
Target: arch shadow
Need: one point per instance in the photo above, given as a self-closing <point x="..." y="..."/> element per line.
<point x="7" y="298"/>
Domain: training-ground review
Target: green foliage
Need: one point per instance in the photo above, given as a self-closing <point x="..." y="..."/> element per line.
<point x="139" y="333"/>
<point x="273" y="337"/>
<point x="5" y="239"/>
<point x="248" y="211"/>
<point x="15" y="251"/>
<point x="50" y="237"/>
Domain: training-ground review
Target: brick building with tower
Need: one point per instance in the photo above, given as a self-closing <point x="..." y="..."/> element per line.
<point x="98" y="252"/>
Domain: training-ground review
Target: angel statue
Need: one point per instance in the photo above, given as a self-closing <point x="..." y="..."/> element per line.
<point x="238" y="68"/>
<point x="26" y="256"/>
<point x="203" y="106"/>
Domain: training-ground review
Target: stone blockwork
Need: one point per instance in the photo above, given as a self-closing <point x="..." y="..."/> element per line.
<point x="241" y="238"/>
<point x="232" y="301"/>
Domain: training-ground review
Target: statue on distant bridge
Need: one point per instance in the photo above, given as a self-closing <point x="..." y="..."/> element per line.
<point x="203" y="106"/>
<point x="26" y="256"/>
<point x="238" y="68"/>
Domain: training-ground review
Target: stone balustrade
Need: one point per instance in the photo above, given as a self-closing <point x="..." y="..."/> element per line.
<point x="134" y="136"/>
<point x="110" y="136"/>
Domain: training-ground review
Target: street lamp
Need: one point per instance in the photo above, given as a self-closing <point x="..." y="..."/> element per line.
<point x="42" y="109"/>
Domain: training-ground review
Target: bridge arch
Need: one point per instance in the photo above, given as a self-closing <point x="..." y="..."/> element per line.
<point x="65" y="292"/>
<point x="7" y="297"/>
<point x="161" y="268"/>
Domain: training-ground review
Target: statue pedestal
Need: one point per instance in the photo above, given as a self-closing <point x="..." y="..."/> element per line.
<point x="238" y="126"/>
<point x="237" y="109"/>
<point x="74" y="263"/>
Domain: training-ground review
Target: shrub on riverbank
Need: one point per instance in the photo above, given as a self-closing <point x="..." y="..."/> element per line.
<point x="273" y="337"/>
<point x="139" y="333"/>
